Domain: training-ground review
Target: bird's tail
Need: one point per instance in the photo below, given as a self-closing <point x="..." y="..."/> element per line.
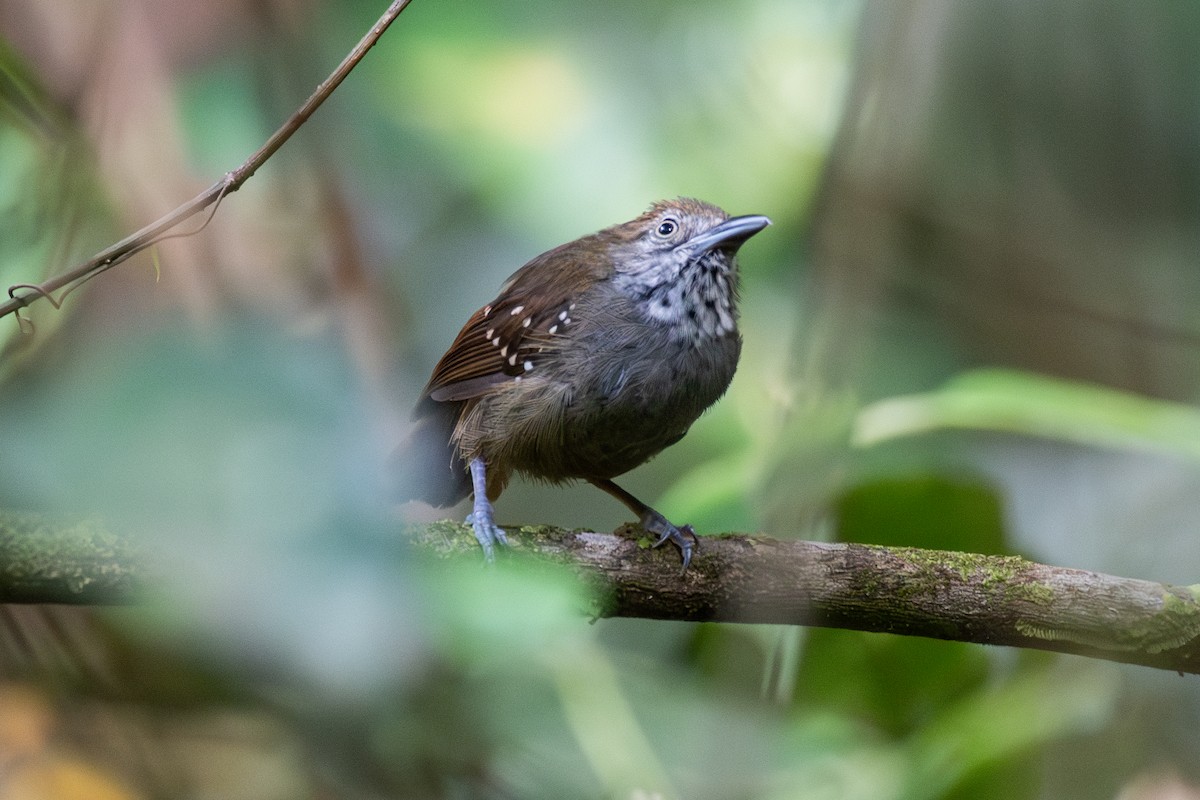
<point x="427" y="465"/>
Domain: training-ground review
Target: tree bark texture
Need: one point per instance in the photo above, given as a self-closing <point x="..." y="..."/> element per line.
<point x="1000" y="600"/>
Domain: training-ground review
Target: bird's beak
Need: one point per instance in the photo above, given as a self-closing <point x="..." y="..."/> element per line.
<point x="728" y="236"/>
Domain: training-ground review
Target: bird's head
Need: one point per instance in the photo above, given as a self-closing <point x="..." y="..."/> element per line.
<point x="677" y="262"/>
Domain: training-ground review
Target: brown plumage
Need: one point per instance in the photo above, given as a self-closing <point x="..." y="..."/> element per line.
<point x="593" y="357"/>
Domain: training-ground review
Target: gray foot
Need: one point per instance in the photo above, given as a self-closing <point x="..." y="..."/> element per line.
<point x="682" y="537"/>
<point x="487" y="532"/>
<point x="480" y="518"/>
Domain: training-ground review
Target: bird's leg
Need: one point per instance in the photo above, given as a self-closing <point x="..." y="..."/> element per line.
<point x="480" y="518"/>
<point x="682" y="537"/>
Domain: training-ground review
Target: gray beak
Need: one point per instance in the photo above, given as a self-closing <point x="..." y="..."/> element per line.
<point x="728" y="236"/>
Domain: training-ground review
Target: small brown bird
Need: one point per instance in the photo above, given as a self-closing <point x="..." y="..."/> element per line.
<point x="594" y="357"/>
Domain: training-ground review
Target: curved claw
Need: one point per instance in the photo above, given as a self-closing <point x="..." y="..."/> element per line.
<point x="684" y="537"/>
<point x="487" y="532"/>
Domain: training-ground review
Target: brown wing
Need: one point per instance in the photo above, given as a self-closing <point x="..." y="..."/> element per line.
<point x="502" y="340"/>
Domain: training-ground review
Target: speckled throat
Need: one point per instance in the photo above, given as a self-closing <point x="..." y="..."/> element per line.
<point x="695" y="296"/>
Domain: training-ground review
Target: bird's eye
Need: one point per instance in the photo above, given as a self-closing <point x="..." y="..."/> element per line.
<point x="667" y="227"/>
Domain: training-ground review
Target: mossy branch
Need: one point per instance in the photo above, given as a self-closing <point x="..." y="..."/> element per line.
<point x="1001" y="600"/>
<point x="59" y="560"/>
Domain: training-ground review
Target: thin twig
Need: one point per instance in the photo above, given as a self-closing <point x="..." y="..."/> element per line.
<point x="21" y="295"/>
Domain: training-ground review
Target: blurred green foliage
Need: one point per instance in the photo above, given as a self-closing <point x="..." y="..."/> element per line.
<point x="929" y="511"/>
<point x="1034" y="405"/>
<point x="51" y="211"/>
<point x="238" y="440"/>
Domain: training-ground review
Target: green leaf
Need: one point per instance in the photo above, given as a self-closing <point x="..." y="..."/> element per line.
<point x="1036" y="405"/>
